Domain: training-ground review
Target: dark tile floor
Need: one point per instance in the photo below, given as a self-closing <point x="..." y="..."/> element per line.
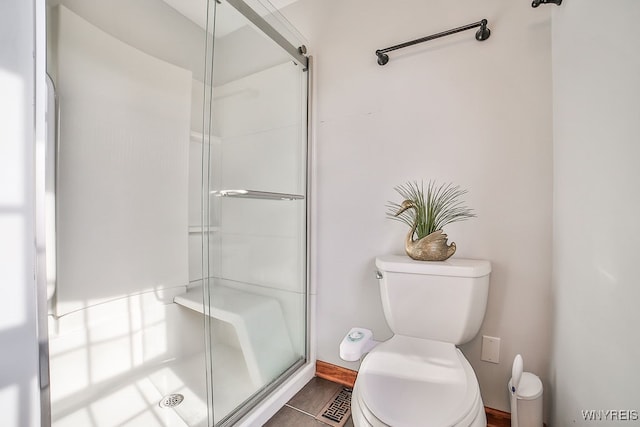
<point x="302" y="409"/>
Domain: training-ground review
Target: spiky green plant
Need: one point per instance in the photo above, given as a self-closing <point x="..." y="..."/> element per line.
<point x="439" y="206"/>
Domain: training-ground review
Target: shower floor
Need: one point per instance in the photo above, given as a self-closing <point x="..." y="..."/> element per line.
<point x="136" y="403"/>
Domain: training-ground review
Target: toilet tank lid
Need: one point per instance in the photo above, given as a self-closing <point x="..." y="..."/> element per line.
<point x="457" y="267"/>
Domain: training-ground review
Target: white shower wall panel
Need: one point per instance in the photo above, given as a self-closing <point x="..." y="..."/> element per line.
<point x="197" y="101"/>
<point x="123" y="168"/>
<point x="269" y="261"/>
<point x="269" y="99"/>
<point x="213" y="148"/>
<point x="270" y="159"/>
<point x="195" y="180"/>
<point x="262" y="243"/>
<point x="278" y="218"/>
<point x="195" y="207"/>
<point x="195" y="256"/>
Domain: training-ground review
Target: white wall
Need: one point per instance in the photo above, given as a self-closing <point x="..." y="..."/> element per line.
<point x="19" y="392"/>
<point x="453" y="110"/>
<point x="596" y="102"/>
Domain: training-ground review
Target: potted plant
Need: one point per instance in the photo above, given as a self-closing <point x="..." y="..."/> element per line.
<point x="427" y="213"/>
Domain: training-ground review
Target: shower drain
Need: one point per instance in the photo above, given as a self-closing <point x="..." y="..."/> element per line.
<point x="171" y="400"/>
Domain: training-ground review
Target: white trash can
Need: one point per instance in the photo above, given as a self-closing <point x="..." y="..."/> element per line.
<point x="525" y="390"/>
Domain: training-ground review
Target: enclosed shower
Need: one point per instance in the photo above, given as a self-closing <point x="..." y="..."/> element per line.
<point x="178" y="212"/>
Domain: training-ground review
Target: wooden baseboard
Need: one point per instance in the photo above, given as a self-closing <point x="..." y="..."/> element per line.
<point x="496" y="418"/>
<point x="336" y="374"/>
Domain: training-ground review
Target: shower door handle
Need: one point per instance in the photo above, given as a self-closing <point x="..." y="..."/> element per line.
<point x="46" y="198"/>
<point x="253" y="194"/>
<point x="45" y="153"/>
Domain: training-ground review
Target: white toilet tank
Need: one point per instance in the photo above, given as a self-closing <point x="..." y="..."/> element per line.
<point x="437" y="300"/>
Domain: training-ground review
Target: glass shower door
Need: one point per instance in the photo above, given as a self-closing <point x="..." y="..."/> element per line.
<point x="126" y="348"/>
<point x="256" y="203"/>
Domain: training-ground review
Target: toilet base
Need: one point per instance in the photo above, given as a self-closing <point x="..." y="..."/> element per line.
<point x="358" y="411"/>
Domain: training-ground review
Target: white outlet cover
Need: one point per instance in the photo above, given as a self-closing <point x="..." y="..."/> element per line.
<point x="490" y="349"/>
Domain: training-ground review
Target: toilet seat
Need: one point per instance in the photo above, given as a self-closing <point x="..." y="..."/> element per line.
<point x="408" y="382"/>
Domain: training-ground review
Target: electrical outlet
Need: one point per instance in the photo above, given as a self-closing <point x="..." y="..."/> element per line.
<point x="490" y="349"/>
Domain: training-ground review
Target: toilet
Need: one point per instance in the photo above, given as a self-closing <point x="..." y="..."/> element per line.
<point x="419" y="378"/>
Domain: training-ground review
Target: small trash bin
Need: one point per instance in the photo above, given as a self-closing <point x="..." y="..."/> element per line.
<point x="525" y="389"/>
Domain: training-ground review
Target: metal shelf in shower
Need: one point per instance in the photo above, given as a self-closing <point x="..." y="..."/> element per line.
<point x="253" y="194"/>
<point x="197" y="229"/>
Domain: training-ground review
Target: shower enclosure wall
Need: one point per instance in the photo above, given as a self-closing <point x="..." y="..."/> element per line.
<point x="178" y="294"/>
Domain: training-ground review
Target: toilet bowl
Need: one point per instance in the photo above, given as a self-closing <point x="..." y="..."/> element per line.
<point x="412" y="382"/>
<point x="419" y="378"/>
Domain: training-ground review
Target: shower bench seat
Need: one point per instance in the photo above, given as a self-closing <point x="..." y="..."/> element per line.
<point x="259" y="324"/>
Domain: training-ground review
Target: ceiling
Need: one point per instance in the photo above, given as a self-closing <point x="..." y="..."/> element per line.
<point x="196" y="11"/>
